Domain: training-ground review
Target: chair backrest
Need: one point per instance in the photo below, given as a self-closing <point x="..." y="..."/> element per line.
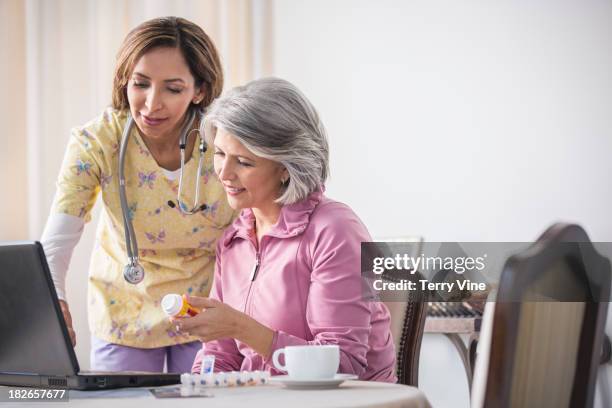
<point x="407" y="325"/>
<point x="407" y="320"/>
<point x="548" y="323"/>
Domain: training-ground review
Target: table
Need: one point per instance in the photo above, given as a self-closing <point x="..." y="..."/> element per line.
<point x="349" y="394"/>
<point x="454" y="319"/>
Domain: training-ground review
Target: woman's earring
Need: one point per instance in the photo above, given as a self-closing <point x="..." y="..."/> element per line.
<point x="284" y="180"/>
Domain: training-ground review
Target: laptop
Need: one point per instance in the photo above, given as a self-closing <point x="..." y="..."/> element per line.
<point x="35" y="348"/>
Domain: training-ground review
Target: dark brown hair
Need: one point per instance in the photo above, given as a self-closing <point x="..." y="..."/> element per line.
<point x="196" y="47"/>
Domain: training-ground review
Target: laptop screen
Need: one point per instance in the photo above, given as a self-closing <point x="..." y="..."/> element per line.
<point x="33" y="338"/>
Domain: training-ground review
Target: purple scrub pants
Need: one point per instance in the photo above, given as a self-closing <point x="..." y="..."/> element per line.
<point x="114" y="357"/>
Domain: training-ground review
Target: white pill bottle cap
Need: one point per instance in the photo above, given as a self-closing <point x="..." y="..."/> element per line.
<point x="172" y="304"/>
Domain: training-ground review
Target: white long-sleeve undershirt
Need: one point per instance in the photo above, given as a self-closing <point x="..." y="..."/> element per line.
<point x="62" y="233"/>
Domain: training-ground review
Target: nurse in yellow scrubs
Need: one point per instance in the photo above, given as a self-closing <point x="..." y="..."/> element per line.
<point x="166" y="69"/>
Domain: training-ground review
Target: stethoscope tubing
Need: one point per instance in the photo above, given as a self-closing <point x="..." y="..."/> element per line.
<point x="133" y="271"/>
<point x="130" y="238"/>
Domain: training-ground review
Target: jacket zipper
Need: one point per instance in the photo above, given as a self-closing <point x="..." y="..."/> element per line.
<point x="252" y="279"/>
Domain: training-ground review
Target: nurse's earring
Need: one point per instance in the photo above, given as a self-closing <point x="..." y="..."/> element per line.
<point x="197" y="100"/>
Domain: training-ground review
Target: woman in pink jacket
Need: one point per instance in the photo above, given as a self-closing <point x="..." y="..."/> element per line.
<point x="288" y="269"/>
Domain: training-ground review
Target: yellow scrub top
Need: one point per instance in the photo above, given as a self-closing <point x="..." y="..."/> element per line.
<point x="177" y="251"/>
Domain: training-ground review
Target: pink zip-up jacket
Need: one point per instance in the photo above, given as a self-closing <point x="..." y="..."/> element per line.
<point x="303" y="282"/>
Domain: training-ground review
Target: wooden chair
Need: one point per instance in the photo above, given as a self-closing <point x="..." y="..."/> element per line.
<point x="408" y="315"/>
<point x="547" y="325"/>
<point x="407" y="324"/>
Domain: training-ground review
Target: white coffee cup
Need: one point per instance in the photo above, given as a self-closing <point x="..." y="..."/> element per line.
<point x="309" y="362"/>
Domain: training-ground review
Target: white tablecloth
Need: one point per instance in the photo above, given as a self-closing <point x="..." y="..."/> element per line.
<point x="349" y="394"/>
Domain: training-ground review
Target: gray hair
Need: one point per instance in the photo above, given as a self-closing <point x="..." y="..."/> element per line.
<point x="274" y="120"/>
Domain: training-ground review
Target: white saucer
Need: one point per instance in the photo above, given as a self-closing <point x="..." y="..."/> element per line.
<point x="319" y="383"/>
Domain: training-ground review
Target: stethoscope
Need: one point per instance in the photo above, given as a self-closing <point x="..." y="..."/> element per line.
<point x="133" y="271"/>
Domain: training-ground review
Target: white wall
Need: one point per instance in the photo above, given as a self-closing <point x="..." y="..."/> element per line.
<point x="465" y="120"/>
<point x="459" y="120"/>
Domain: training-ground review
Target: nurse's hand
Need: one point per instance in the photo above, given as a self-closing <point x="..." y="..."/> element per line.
<point x="218" y="320"/>
<point x="68" y="320"/>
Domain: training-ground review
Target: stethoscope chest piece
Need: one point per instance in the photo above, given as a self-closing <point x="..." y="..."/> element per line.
<point x="133" y="273"/>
